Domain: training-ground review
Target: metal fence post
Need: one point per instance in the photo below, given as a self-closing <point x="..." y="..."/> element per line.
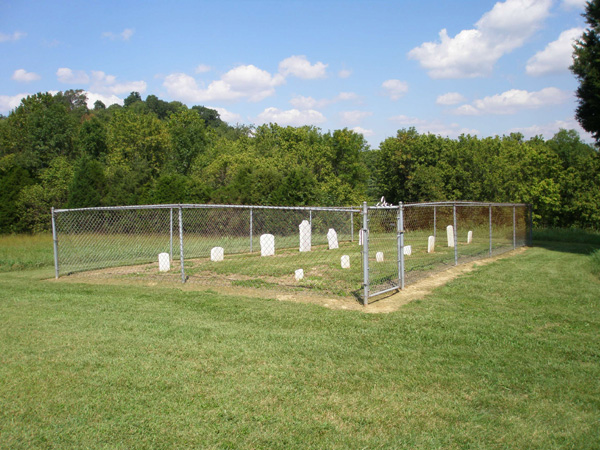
<point x="351" y="226"/>
<point x="55" y="241"/>
<point x="251" y="226"/>
<point x="455" y="236"/>
<point x="171" y="234"/>
<point x="310" y="218"/>
<point x="400" y="219"/>
<point x="434" y="221"/>
<point x="181" y="244"/>
<point x="490" y="230"/>
<point x="365" y="232"/>
<point x="530" y="224"/>
<point x="514" y="227"/>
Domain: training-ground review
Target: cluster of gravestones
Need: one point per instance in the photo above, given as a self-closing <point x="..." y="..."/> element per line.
<point x="267" y="247"/>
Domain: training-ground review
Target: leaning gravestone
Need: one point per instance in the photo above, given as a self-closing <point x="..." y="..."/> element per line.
<point x="217" y="254"/>
<point x="450" y="233"/>
<point x="379" y="256"/>
<point x="431" y="244"/>
<point x="305" y="236"/>
<point x="267" y="245"/>
<point x="469" y="237"/>
<point x="164" y="262"/>
<point x="332" y="239"/>
<point x="408" y="250"/>
<point x="345" y="262"/>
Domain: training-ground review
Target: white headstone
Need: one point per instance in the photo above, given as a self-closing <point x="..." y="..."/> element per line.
<point x="360" y="237"/>
<point x="267" y="245"/>
<point x="164" y="262"/>
<point x="332" y="239"/>
<point x="217" y="254"/>
<point x="345" y="262"/>
<point x="469" y="237"/>
<point x="408" y="250"/>
<point x="299" y="274"/>
<point x="450" y="233"/>
<point x="379" y="256"/>
<point x="431" y="244"/>
<point x="305" y="236"/>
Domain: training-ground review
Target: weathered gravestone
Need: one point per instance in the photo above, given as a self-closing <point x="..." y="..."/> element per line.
<point x="217" y="254"/>
<point x="431" y="244"/>
<point x="469" y="237"/>
<point x="164" y="262"/>
<point x="379" y="256"/>
<point x="450" y="233"/>
<point x="332" y="239"/>
<point x="267" y="245"/>
<point x="345" y="262"/>
<point x="299" y="274"/>
<point x="408" y="250"/>
<point x="305" y="236"/>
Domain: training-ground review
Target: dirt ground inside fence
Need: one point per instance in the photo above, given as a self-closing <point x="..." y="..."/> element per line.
<point x="386" y="303"/>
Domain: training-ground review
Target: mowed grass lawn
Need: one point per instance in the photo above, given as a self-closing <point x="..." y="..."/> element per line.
<point x="504" y="357"/>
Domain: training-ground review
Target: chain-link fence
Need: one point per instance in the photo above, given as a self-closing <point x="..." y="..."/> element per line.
<point x="363" y="251"/>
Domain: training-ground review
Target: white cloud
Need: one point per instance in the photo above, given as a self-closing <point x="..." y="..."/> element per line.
<point x="344" y="73"/>
<point x="293" y="117"/>
<point x="433" y="126"/>
<point x="473" y="53"/>
<point x="108" y="100"/>
<point x="354" y="117"/>
<point x="395" y="89"/>
<point x="66" y="75"/>
<point x="202" y="68"/>
<point x="557" y="56"/>
<point x="22" y="76"/>
<point x="574" y="4"/>
<point x="10" y="102"/>
<point x="451" y="98"/>
<point x="12" y="37"/>
<point x="302" y="102"/>
<point x="124" y="35"/>
<point x="513" y="101"/>
<point x="363" y="131"/>
<point x="241" y="82"/>
<point x="548" y="130"/>
<point x="299" y="66"/>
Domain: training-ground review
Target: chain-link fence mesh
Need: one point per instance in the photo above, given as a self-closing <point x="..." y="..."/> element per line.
<point x="322" y="249"/>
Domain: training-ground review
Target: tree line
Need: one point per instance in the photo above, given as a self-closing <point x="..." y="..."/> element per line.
<point x="56" y="152"/>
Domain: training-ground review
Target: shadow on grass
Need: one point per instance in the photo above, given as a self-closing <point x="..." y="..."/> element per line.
<point x="569" y="240"/>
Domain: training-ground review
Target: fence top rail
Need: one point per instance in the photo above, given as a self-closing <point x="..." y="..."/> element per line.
<point x="207" y="206"/>
<point x="463" y="203"/>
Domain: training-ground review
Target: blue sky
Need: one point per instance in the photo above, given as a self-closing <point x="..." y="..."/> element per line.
<point x="446" y="67"/>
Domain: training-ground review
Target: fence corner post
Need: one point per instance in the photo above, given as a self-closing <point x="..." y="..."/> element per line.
<point x="55" y="243"/>
<point x="455" y="235"/>
<point x="400" y="226"/>
<point x="181" y="243"/>
<point x="365" y="233"/>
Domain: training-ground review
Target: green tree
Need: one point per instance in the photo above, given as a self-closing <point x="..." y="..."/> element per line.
<point x="188" y="139"/>
<point x="88" y="185"/>
<point x="586" y="67"/>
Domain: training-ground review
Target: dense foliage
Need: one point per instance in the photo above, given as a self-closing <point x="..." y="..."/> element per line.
<point x="586" y="67"/>
<point x="54" y="151"/>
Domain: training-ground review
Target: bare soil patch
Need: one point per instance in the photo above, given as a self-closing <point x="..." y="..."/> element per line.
<point x="145" y="275"/>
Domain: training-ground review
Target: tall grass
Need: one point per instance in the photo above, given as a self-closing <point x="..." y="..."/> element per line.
<point x="21" y="251"/>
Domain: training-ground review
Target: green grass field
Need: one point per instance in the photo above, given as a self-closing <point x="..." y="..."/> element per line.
<point x="504" y="357"/>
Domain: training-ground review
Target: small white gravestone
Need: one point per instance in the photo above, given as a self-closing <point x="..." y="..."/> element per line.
<point x="345" y="262"/>
<point x="379" y="256"/>
<point x="469" y="237"/>
<point x="217" y="254"/>
<point x="450" y="233"/>
<point x="164" y="262"/>
<point x="408" y="250"/>
<point x="299" y="274"/>
<point x="305" y="236"/>
<point x="332" y="239"/>
<point x="431" y="244"/>
<point x="267" y="245"/>
<point x="360" y="237"/>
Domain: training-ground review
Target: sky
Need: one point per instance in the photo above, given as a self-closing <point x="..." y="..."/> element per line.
<point x="447" y="67"/>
